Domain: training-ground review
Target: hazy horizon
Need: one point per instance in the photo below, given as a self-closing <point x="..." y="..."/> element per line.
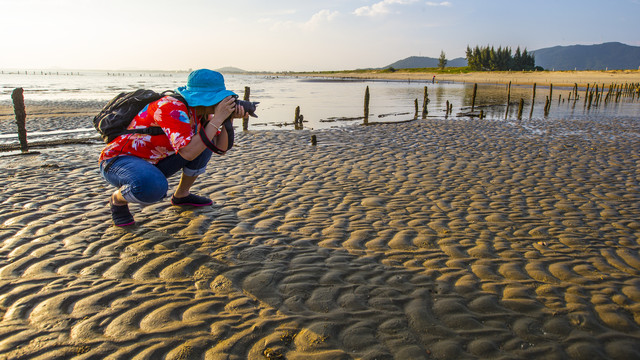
<point x="283" y="35"/>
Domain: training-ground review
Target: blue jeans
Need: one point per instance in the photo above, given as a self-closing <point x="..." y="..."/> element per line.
<point x="142" y="182"/>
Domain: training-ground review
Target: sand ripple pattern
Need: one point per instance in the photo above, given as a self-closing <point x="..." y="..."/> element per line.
<point x="430" y="240"/>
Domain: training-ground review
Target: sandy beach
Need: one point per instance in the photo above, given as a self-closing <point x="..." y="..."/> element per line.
<point x="434" y="239"/>
<point x="557" y="78"/>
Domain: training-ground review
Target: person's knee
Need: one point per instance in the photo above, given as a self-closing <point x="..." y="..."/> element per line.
<point x="151" y="190"/>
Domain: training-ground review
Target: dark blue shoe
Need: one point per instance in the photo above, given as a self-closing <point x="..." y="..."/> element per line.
<point x="191" y="200"/>
<point x="121" y="215"/>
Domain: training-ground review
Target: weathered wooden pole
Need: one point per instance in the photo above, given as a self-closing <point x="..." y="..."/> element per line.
<point x="21" y="117"/>
<point x="533" y="100"/>
<point x="550" y="93"/>
<point x="300" y="122"/>
<point x="546" y="107"/>
<point x="425" y="101"/>
<point x="586" y="95"/>
<point x="366" y="106"/>
<point x="296" y="118"/>
<point x="508" y="100"/>
<point x="520" y="106"/>
<point x="415" y="116"/>
<point x="473" y="98"/>
<point x="245" y="120"/>
<point x="446" y="111"/>
<point x="314" y="140"/>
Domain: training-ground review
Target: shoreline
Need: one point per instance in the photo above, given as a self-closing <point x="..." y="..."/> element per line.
<point x="559" y="78"/>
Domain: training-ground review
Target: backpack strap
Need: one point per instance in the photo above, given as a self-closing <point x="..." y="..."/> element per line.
<point x="156" y="130"/>
<point x="152" y="130"/>
<point x="175" y="95"/>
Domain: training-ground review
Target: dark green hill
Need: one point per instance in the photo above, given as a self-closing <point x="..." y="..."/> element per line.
<point x="611" y="55"/>
<point x="414" y="62"/>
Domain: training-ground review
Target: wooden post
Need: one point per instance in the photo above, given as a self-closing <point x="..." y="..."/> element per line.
<point x="473" y="98"/>
<point x="296" y="118"/>
<point x="546" y="107"/>
<point x="508" y="100"/>
<point x="550" y="93"/>
<point x="366" y="106"/>
<point x="21" y="117"/>
<point x="586" y="95"/>
<point x="533" y="100"/>
<point x="416" y="106"/>
<point x="425" y="101"/>
<point x="314" y="140"/>
<point x="520" y="106"/>
<point x="245" y="120"/>
<point x="446" y="111"/>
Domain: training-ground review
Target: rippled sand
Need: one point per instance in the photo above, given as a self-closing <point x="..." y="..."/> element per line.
<point x="432" y="239"/>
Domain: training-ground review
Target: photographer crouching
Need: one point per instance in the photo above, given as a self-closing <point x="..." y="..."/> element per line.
<point x="195" y="122"/>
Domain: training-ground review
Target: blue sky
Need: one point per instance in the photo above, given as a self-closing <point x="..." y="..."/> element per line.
<point x="281" y="35"/>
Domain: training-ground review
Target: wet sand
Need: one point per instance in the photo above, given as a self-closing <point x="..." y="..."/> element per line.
<point x="557" y="78"/>
<point x="435" y="239"/>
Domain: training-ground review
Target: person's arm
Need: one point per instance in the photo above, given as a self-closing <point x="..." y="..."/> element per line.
<point x="222" y="111"/>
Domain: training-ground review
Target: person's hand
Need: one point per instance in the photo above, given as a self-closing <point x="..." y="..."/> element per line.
<point x="239" y="113"/>
<point x="225" y="107"/>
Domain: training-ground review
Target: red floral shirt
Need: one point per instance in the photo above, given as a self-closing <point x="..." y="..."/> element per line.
<point x="169" y="114"/>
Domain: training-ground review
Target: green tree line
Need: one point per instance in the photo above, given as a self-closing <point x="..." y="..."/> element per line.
<point x="488" y="59"/>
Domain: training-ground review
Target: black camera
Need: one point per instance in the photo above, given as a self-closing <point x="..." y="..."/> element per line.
<point x="249" y="106"/>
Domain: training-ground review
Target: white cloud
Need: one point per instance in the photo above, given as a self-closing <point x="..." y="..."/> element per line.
<point x="316" y="20"/>
<point x="321" y="17"/>
<point x="443" y="3"/>
<point x="380" y="8"/>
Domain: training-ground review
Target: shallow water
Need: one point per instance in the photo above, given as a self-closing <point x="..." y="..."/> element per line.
<point x="324" y="102"/>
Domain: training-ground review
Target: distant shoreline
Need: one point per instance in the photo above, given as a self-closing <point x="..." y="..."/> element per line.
<point x="559" y="78"/>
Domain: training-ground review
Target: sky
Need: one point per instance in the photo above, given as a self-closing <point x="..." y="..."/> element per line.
<point x="292" y="35"/>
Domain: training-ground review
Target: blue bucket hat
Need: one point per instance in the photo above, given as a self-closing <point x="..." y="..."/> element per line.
<point x="204" y="88"/>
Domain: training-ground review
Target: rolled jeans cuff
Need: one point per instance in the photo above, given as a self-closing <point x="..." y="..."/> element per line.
<point x="192" y="172"/>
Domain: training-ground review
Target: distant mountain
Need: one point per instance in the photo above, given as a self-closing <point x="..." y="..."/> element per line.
<point x="611" y="55"/>
<point x="414" y="62"/>
<point x="231" y="70"/>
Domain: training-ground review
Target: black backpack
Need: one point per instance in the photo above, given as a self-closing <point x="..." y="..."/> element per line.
<point x="115" y="117"/>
